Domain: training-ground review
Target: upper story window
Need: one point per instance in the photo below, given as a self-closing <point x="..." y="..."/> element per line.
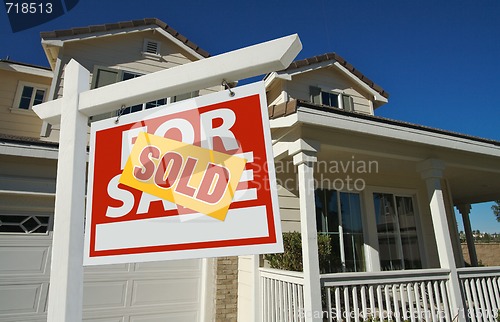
<point x="331" y="98"/>
<point x="103" y="76"/>
<point x="28" y="95"/>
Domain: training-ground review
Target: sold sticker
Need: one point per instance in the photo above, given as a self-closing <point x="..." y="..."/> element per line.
<point x="187" y="175"/>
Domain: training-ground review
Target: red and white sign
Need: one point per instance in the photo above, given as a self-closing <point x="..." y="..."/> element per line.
<point x="223" y="145"/>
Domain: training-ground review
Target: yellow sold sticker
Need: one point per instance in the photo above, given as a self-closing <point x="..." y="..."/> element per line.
<point x="187" y="175"/>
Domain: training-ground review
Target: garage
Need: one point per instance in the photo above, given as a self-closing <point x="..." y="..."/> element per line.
<point x="154" y="291"/>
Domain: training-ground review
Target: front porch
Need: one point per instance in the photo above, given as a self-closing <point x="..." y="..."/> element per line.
<point x="409" y="295"/>
<point x="398" y="255"/>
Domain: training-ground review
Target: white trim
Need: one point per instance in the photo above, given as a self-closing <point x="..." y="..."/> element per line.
<point x="376" y="95"/>
<point x="390" y="131"/>
<point x="59" y="41"/>
<point x="396" y="192"/>
<point x="179" y="43"/>
<point x="28" y="150"/>
<point x="19" y="91"/>
<point x="28" y="193"/>
<point x="282" y="122"/>
<point x="32" y="70"/>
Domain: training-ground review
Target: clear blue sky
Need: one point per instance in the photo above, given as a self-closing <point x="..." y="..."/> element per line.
<point x="439" y="60"/>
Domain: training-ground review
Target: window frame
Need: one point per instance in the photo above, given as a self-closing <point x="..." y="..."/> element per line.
<point x="120" y="73"/>
<point x="341" y="95"/>
<point x="19" y="92"/>
<point x="49" y="226"/>
<point x="341" y="233"/>
<point x="372" y="224"/>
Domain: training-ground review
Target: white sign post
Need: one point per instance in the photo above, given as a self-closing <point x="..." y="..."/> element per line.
<point x="72" y="111"/>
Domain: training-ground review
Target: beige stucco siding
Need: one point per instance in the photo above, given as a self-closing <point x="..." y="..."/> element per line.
<point x="14" y="121"/>
<point x="124" y="52"/>
<point x="246" y="284"/>
<point x="329" y="79"/>
<point x="289" y="209"/>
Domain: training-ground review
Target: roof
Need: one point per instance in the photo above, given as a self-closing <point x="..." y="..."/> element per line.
<point x="24" y="140"/>
<point x="124" y="25"/>
<point x="337" y="58"/>
<point x="8" y="61"/>
<point x="290" y="107"/>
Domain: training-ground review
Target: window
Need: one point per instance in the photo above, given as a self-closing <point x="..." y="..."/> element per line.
<point x="331" y="98"/>
<point x="25" y="224"/>
<point x="28" y="95"/>
<point x="397" y="232"/>
<point x="106" y="76"/>
<point x="338" y="214"/>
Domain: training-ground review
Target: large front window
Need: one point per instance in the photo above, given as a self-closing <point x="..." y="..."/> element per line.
<point x="397" y="232"/>
<point x="338" y="214"/>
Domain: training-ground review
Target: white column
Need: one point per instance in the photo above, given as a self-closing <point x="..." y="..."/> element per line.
<point x="431" y="171"/>
<point x="464" y="210"/>
<point x="305" y="160"/>
<point x="66" y="276"/>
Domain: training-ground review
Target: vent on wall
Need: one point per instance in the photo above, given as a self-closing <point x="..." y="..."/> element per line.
<point x="151" y="48"/>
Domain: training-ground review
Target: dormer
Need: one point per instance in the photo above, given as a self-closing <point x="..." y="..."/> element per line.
<point x="328" y="81"/>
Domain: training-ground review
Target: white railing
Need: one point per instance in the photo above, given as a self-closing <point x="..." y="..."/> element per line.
<point x="481" y="289"/>
<point x="412" y="295"/>
<point x="282" y="295"/>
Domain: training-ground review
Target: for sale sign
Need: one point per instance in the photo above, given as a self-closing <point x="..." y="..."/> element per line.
<point x="186" y="180"/>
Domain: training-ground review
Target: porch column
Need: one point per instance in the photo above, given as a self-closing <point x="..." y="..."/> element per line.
<point x="464" y="210"/>
<point x="304" y="157"/>
<point x="431" y="171"/>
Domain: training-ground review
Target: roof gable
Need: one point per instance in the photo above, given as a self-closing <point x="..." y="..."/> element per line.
<point x="53" y="40"/>
<point x="329" y="59"/>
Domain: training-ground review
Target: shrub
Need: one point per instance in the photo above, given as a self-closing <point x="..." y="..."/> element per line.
<point x="291" y="258"/>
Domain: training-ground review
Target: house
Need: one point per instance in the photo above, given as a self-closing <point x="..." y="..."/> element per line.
<point x="157" y="291"/>
<point x="384" y="191"/>
<point x="381" y="189"/>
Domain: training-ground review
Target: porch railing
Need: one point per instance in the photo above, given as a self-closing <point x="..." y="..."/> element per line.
<point x="412" y="295"/>
<point x="481" y="289"/>
<point x="282" y="295"/>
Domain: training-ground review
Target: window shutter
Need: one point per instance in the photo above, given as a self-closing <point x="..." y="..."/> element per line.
<point x="315" y="93"/>
<point x="185" y="96"/>
<point x="102" y="77"/>
<point x="348" y="103"/>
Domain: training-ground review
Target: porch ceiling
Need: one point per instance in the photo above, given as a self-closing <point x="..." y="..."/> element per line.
<point x="472" y="166"/>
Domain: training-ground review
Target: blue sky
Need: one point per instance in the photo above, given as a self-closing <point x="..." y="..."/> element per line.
<point x="439" y="60"/>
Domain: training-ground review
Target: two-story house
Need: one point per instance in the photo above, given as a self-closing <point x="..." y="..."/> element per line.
<point x="159" y="291"/>
<point x="381" y="189"/>
<point x="384" y="192"/>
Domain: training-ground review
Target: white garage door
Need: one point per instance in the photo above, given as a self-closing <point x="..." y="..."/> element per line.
<point x="157" y="291"/>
